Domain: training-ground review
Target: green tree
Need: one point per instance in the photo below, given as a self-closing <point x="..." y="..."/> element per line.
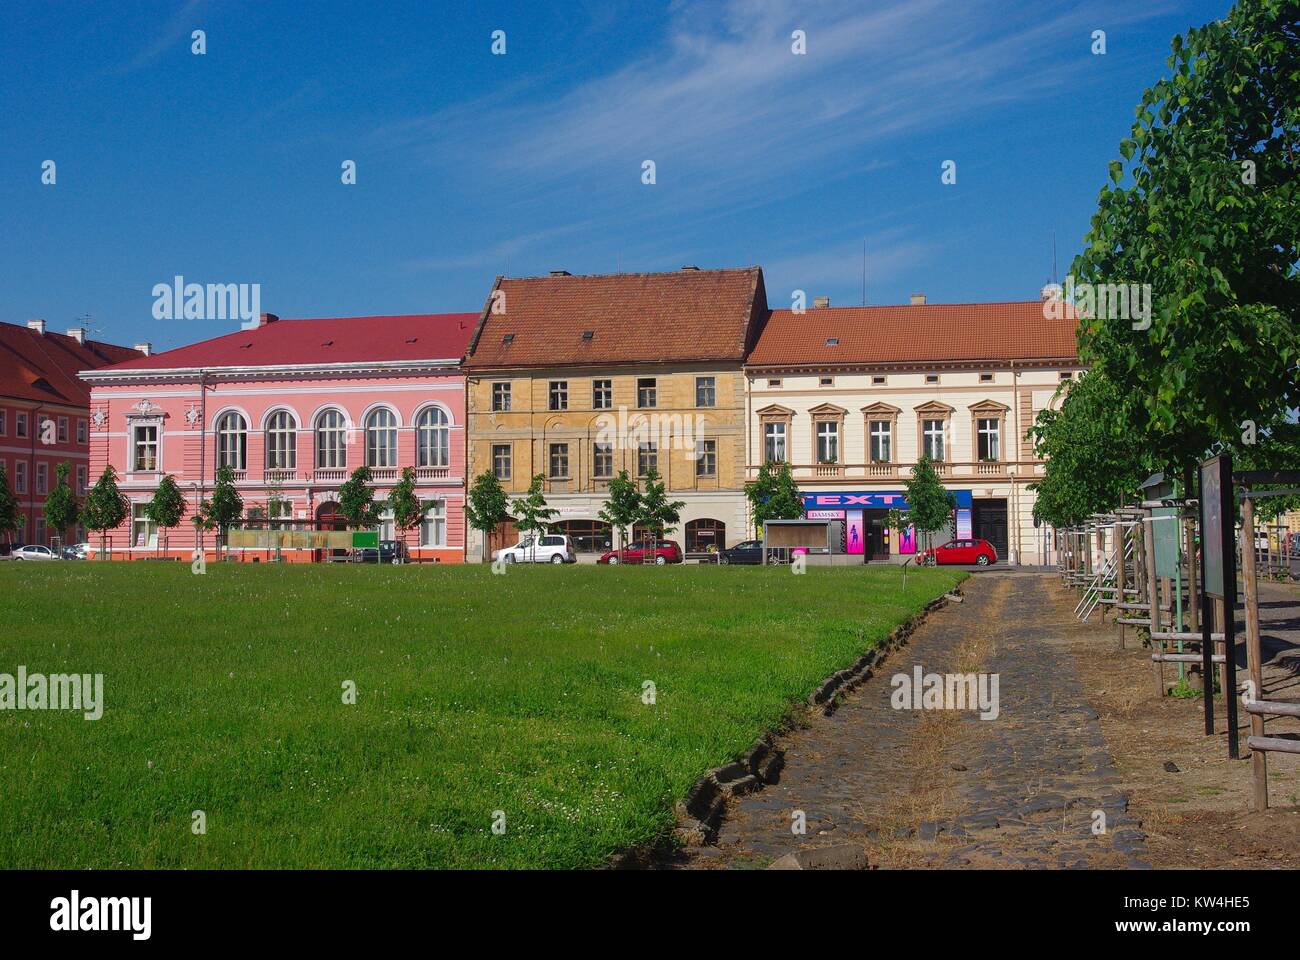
<point x="408" y="512"/>
<point x="357" y="500"/>
<point x="166" y="507"/>
<point x="1202" y="207"/>
<point x="10" y="519"/>
<point x="225" y="506"/>
<point x="930" y="506"/>
<point x="105" y="507"/>
<point x="61" y="503"/>
<point x="622" y="507"/>
<point x="657" y="513"/>
<point x="774" y="496"/>
<point x="531" y="512"/>
<point x="486" y="506"/>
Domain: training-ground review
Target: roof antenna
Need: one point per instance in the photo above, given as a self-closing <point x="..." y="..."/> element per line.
<point x="864" y="271"/>
<point x="1053" y="256"/>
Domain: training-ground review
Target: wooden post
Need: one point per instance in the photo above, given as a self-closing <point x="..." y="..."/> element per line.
<point x="1254" y="666"/>
<point x="1119" y="577"/>
<point x="1193" y="576"/>
<point x="1153" y="600"/>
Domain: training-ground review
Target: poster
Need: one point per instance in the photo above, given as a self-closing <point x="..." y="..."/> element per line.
<point x="853" y="533"/>
<point x="1212" y="527"/>
<point x="963" y="523"/>
<point x="907" y="540"/>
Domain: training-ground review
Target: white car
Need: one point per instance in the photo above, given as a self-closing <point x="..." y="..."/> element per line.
<point x="34" y="552"/>
<point x="550" y="548"/>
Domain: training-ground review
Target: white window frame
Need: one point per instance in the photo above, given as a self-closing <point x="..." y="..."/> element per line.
<point x="330" y="440"/>
<point x="880" y="441"/>
<point x="774" y="442"/>
<point x="433" y="438"/>
<point x="433" y="529"/>
<point x="381" y="439"/>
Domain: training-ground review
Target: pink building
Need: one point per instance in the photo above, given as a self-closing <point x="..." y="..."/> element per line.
<point x="292" y="407"/>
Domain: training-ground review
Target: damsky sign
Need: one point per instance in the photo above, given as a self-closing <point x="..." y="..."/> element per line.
<point x="858" y="500"/>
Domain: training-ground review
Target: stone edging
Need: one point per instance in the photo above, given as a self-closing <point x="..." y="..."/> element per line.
<point x="700" y="812"/>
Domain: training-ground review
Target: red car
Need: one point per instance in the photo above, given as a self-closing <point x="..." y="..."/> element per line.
<point x="645" y="551"/>
<point x="978" y="552"/>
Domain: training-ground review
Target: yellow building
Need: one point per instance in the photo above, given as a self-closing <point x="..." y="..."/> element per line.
<point x="576" y="378"/>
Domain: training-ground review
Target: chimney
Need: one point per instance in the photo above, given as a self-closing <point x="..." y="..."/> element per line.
<point x="561" y="273"/>
<point x="918" y="299"/>
<point x="37" y="325"/>
<point x="821" y="302"/>
<point x="1051" y="292"/>
<point x="267" y="318"/>
<point x="78" y="334"/>
<point x="145" y="348"/>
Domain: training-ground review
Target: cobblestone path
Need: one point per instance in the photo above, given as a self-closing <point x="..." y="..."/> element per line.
<point x="943" y="788"/>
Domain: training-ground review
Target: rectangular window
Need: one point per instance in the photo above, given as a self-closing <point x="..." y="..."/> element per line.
<point x="559" y="399"/>
<point x="81" y="431"/>
<point x="280" y="513"/>
<point x="931" y="378"/>
<point x="144" y="448"/>
<point x="4" y="423"/>
<point x="706" y="392"/>
<point x="932" y="433"/>
<point x="559" y="461"/>
<point x="877" y="381"/>
<point x="828" y="441"/>
<point x="40" y="529"/>
<point x="63" y="429"/>
<point x="986" y="378"/>
<point x="602" y="394"/>
<point x="774" y="382"/>
<point x="433" y="531"/>
<point x="706" y="458"/>
<point x="881" y="441"/>
<point x="1065" y="375"/>
<point x="647" y="459"/>
<point x="20" y="424"/>
<point x="143" y="533"/>
<point x="501" y="460"/>
<point x="602" y="461"/>
<point x="826" y="382"/>
<point x="989" y="439"/>
<point x="774" y="442"/>
<point x="42" y="478"/>
<point x="81" y="479"/>
<point x="20" y="476"/>
<point x="500" y="396"/>
<point x="646" y="392"/>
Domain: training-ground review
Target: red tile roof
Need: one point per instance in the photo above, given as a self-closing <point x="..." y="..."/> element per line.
<point x="424" y="336"/>
<point x="632" y="317"/>
<point x="44" y="367"/>
<point x="914" y="333"/>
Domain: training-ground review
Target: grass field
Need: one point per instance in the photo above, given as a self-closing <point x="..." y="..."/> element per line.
<point x="475" y="693"/>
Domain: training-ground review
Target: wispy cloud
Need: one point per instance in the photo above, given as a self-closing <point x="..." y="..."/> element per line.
<point x="180" y="24"/>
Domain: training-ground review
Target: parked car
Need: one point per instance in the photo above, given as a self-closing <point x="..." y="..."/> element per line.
<point x="387" y="552"/>
<point x="76" y="551"/>
<point x="646" y="551"/>
<point x="550" y="548"/>
<point x="747" y="551"/>
<point x="979" y="552"/>
<point x="34" y="552"/>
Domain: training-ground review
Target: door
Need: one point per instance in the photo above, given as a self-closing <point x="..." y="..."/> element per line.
<point x="989" y="522"/>
<point x="876" y="546"/>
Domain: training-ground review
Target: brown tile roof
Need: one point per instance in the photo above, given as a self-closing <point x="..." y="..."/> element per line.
<point x="914" y="333"/>
<point x="632" y="317"/>
<point x="44" y="366"/>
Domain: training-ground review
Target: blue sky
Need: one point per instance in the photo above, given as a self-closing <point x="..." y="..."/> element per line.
<point x="225" y="168"/>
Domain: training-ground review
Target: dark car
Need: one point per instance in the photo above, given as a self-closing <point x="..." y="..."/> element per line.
<point x="978" y="552"/>
<point x="387" y="552"/>
<point x="645" y="551"/>
<point x="747" y="551"/>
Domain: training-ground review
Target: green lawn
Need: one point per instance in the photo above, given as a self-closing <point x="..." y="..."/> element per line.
<point x="475" y="693"/>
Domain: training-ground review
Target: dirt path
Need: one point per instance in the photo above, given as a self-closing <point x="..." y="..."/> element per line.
<point x="1079" y="744"/>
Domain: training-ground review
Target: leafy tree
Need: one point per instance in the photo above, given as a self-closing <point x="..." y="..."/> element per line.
<point x="105" y="507"/>
<point x="774" y="496"/>
<point x="657" y="513"/>
<point x="226" y="506"/>
<point x="622" y="507"/>
<point x="930" y="506"/>
<point x="357" y="500"/>
<point x="1096" y="454"/>
<point x="531" y="511"/>
<point x="486" y="506"/>
<point x="1202" y="206"/>
<point x="166" y="508"/>
<point x="408" y="511"/>
<point x="10" y="519"/>
<point x="61" y="503"/>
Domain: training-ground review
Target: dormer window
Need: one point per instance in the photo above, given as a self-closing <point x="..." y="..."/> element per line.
<point x="832" y="341"/>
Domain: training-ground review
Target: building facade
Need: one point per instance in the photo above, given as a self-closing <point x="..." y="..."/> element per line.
<point x="853" y="397"/>
<point x="45" y="417"/>
<point x="577" y="378"/>
<point x="292" y="408"/>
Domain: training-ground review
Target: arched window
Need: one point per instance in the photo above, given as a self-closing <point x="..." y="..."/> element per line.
<point x="232" y="441"/>
<point x="433" y="434"/>
<point x="281" y="442"/>
<point x="331" y="440"/>
<point x="381" y="439"/>
<point x="705" y="536"/>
